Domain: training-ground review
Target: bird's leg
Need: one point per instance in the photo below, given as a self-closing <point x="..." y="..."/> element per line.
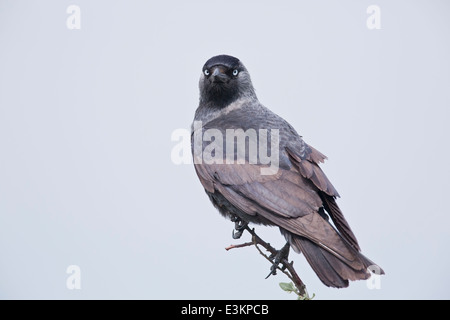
<point x="239" y="226"/>
<point x="281" y="254"/>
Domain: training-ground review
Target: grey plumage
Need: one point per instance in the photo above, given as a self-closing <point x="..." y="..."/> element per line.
<point x="298" y="197"/>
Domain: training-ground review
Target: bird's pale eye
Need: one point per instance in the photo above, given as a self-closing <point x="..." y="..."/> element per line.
<point x="235" y="72"/>
<point x="206" y="72"/>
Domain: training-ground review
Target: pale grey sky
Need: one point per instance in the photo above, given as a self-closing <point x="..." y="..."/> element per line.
<point x="86" y="117"/>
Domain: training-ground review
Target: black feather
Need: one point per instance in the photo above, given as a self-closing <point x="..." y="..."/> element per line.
<point x="222" y="60"/>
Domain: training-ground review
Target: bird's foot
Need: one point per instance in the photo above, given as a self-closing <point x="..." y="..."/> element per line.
<point x="239" y="226"/>
<point x="281" y="254"/>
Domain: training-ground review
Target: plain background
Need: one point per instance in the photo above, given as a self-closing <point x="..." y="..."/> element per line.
<point x="86" y="117"/>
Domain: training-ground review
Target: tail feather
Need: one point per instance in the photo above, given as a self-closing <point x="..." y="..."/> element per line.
<point x="330" y="267"/>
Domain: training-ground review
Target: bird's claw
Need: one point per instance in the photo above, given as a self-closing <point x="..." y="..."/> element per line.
<point x="239" y="226"/>
<point x="281" y="254"/>
<point x="237" y="235"/>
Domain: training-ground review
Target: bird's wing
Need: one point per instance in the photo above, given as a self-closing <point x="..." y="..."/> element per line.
<point x="306" y="159"/>
<point x="285" y="199"/>
<point x="285" y="193"/>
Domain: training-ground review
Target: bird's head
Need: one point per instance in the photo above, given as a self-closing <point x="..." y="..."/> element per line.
<point x="224" y="79"/>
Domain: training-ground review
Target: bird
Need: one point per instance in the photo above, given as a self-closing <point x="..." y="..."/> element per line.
<point x="293" y="193"/>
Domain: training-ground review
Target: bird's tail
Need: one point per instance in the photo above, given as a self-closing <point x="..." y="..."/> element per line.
<point x="333" y="269"/>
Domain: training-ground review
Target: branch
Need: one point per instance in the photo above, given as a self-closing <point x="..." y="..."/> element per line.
<point x="233" y="246"/>
<point x="287" y="267"/>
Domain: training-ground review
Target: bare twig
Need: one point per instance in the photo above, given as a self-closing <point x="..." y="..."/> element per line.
<point x="233" y="246"/>
<point x="287" y="267"/>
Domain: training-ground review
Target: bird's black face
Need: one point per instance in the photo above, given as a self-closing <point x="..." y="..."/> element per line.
<point x="224" y="79"/>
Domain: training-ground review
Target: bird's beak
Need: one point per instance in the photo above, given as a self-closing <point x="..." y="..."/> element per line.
<point x="218" y="75"/>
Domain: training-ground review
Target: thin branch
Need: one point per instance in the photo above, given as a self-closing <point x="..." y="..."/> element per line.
<point x="287" y="267"/>
<point x="233" y="246"/>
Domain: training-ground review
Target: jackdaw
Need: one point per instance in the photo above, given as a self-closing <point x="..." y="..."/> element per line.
<point x="232" y="137"/>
